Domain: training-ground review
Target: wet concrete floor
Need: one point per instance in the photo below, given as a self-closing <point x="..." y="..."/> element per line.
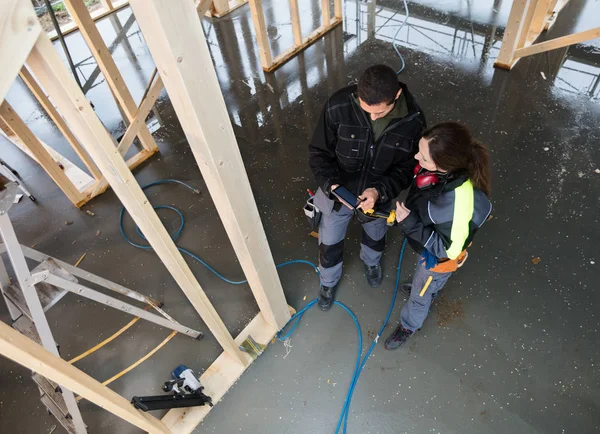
<point x="513" y="347"/>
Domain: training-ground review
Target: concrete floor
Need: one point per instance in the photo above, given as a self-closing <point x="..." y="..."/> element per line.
<point x="513" y="348"/>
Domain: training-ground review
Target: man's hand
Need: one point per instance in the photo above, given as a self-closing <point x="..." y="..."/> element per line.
<point x="368" y="198"/>
<point x="401" y="212"/>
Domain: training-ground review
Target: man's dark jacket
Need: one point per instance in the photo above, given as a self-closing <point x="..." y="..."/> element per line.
<point x="343" y="151"/>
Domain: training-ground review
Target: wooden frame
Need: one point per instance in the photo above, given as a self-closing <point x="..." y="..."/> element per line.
<point x="110" y="6"/>
<point x="77" y="185"/>
<point x="526" y="21"/>
<point x="266" y="57"/>
<point x="176" y="40"/>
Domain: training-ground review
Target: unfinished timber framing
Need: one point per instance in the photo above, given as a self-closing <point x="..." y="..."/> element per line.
<point x="300" y="43"/>
<point x="176" y="41"/>
<point x="526" y="21"/>
<point x="77" y="185"/>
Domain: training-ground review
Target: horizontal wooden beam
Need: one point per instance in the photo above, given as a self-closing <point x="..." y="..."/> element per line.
<point x="307" y="42"/>
<point x="24" y="351"/>
<point x="563" y="41"/>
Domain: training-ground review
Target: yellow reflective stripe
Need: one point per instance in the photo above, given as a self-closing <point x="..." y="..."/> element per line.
<point x="463" y="213"/>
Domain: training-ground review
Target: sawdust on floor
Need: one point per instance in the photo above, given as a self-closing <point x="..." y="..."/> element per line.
<point x="447" y="310"/>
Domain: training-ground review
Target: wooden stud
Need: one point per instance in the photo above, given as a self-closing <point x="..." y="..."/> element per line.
<point x="564" y="41"/>
<point x="220" y="7"/>
<point x="264" y="47"/>
<point x="527" y="21"/>
<point x="140" y="117"/>
<point x="107" y="65"/>
<point x="18" y="127"/>
<point x="512" y="32"/>
<point x="538" y="21"/>
<point x="24" y="351"/>
<point x="296" y="27"/>
<point x="553" y="10"/>
<point x="19" y="29"/>
<point x="203" y="7"/>
<point x="337" y="9"/>
<point x="308" y="41"/>
<point x="325" y="12"/>
<point x="47" y="66"/>
<point x="47" y="105"/>
<point x="96" y="15"/>
<point x="176" y="40"/>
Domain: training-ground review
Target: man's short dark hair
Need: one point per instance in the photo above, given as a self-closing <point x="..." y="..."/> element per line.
<point x="378" y="84"/>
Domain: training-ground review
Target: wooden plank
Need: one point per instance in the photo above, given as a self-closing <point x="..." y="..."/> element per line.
<point x="553" y="10"/>
<point x="24" y="351"/>
<point x="45" y="102"/>
<point x="96" y="15"/>
<point x="308" y="41"/>
<point x="527" y="21"/>
<point x="296" y="28"/>
<point x="203" y="7"/>
<point x="325" y="13"/>
<point x="19" y="29"/>
<point x="514" y="27"/>
<point x="538" y="21"/>
<point x="107" y="65"/>
<point x="337" y="8"/>
<point x="564" y="41"/>
<point x="53" y="76"/>
<point x="264" y="47"/>
<point x="176" y="41"/>
<point x="220" y="6"/>
<point x="39" y="152"/>
<point x="218" y="378"/>
<point x="140" y="117"/>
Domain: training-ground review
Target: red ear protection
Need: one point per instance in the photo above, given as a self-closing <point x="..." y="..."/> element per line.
<point x="424" y="178"/>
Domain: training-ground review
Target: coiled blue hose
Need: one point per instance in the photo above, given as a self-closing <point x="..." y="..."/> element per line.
<point x="295" y="319"/>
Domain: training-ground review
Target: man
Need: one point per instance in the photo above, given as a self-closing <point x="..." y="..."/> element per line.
<point x="365" y="141"/>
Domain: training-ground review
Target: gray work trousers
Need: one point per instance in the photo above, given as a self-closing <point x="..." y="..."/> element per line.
<point x="332" y="231"/>
<point x="417" y="307"/>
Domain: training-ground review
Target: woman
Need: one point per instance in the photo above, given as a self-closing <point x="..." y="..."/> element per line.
<point x="446" y="204"/>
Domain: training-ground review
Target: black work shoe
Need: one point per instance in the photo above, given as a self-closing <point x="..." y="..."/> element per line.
<point x="326" y="297"/>
<point x="374" y="275"/>
<point x="398" y="338"/>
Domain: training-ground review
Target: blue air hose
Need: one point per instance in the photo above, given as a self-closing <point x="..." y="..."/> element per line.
<point x="295" y="319"/>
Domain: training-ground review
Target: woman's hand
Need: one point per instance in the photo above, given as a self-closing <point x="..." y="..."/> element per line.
<point x="401" y="212"/>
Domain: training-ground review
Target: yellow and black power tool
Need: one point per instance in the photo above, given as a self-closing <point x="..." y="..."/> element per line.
<point x="390" y="217"/>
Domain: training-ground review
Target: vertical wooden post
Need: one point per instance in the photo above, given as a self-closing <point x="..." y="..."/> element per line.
<point x="296" y="27"/>
<point x="258" y="18"/>
<point x="90" y="33"/>
<point x="337" y="8"/>
<point x="325" y="12"/>
<point x="42" y="98"/>
<point x="538" y="21"/>
<point x="512" y="32"/>
<point x="371" y="18"/>
<point x="24" y="351"/>
<point x="176" y="40"/>
<point x="20" y="129"/>
<point x="52" y="75"/>
<point x="526" y="24"/>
